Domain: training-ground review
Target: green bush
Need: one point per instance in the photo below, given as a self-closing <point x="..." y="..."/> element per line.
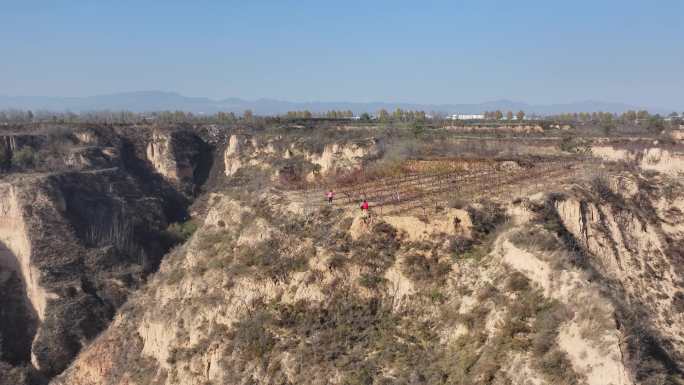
<point x="182" y="231"/>
<point x="437" y="296"/>
<point x="5" y="157"/>
<point x="25" y="157"/>
<point x="654" y="124"/>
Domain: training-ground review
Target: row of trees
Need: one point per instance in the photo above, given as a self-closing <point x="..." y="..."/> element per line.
<point x="383" y="115"/>
<point x="128" y="117"/>
<point x="597" y="117"/>
<point x="401" y="115"/>
<point x="608" y="121"/>
<point x="498" y="115"/>
<point x="121" y="117"/>
<point x="299" y="114"/>
<point x="627" y="117"/>
<point x="332" y="114"/>
<point x="339" y="114"/>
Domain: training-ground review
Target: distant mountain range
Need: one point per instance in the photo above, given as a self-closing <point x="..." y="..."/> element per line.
<point x="146" y="101"/>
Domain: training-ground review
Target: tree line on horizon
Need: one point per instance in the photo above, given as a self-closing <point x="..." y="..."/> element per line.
<point x="605" y="119"/>
<point x="499" y="115"/>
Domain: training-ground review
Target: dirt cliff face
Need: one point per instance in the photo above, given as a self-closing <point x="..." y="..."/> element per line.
<point x="74" y="245"/>
<point x="253" y="296"/>
<point x="278" y="155"/>
<point x="665" y="161"/>
<point x="265" y="295"/>
<point x="181" y="157"/>
<point x="632" y="231"/>
<point x="80" y="243"/>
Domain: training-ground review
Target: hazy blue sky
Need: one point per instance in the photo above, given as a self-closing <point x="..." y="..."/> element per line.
<point x="417" y="51"/>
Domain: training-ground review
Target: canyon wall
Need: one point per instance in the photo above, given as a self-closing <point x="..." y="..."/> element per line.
<point x="75" y="244"/>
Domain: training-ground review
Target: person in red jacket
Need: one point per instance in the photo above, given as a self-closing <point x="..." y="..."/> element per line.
<point x="365" y="211"/>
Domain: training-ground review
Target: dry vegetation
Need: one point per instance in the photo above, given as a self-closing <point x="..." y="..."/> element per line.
<point x="462" y="318"/>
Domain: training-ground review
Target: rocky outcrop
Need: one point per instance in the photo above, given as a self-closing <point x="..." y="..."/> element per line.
<point x="663" y="161"/>
<point x="269" y="154"/>
<point x="613" y="154"/>
<point x="88" y="137"/>
<point x="678" y="134"/>
<point x="452" y="223"/>
<point x="342" y="157"/>
<point x="652" y="159"/>
<point x="233" y="153"/>
<point x="92" y="158"/>
<point x="180" y="157"/>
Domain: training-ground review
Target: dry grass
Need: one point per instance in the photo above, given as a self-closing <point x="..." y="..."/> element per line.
<point x="425" y="270"/>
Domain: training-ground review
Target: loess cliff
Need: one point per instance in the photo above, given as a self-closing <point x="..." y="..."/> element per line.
<point x="287" y="159"/>
<point x="577" y="279"/>
<point x="75" y="241"/>
<point x="532" y="291"/>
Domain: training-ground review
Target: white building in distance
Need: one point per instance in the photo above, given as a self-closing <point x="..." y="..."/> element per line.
<point x="465" y="117"/>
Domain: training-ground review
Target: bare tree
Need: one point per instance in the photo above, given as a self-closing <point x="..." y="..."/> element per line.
<point x="248" y="115"/>
<point x="520" y="115"/>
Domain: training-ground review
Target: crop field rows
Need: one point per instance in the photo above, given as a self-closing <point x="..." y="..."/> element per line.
<point x="433" y="190"/>
<point x="470" y="187"/>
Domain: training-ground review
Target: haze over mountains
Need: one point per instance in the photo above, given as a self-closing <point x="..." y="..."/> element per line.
<point x="143" y="101"/>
